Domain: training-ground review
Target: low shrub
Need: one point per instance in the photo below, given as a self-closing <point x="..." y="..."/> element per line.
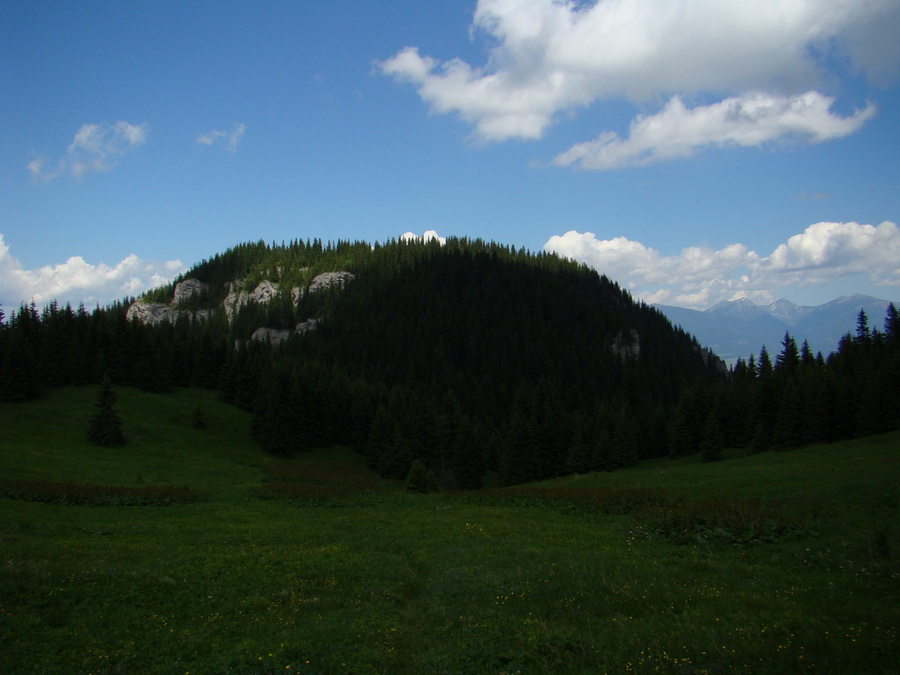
<point x="334" y="495"/>
<point x="606" y="501"/>
<point x="321" y="473"/>
<point x="98" y="495"/>
<point x="734" y="521"/>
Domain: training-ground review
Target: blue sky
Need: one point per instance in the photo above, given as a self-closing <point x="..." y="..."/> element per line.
<point x="693" y="150"/>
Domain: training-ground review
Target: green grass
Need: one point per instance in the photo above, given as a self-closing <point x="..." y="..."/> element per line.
<point x="317" y="566"/>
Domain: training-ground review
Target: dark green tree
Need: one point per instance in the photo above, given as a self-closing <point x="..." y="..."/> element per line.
<point x="787" y="362"/>
<point x="105" y="425"/>
<point x="198" y="418"/>
<point x="420" y="478"/>
<point x="863" y="333"/>
<point x="581" y="457"/>
<point x="789" y="421"/>
<point x="387" y="453"/>
<point x="712" y="443"/>
<point x="18" y="377"/>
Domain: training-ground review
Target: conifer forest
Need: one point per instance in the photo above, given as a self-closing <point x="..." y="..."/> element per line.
<point x="479" y="362"/>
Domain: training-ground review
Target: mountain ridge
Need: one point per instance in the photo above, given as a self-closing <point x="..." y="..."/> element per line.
<point x="739" y="328"/>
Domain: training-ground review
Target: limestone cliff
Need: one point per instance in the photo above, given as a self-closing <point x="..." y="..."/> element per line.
<point x="237" y="297"/>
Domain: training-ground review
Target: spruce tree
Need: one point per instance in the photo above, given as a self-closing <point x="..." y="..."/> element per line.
<point x="580" y="458"/>
<point x="892" y="326"/>
<point x="106" y="426"/>
<point x="863" y="333"/>
<point x="787" y="362"/>
<point x="18" y="374"/>
<point x="198" y="418"/>
<point x="712" y="442"/>
<point x="420" y="478"/>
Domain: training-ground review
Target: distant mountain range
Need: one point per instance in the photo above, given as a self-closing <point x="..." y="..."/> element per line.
<point x="738" y="328"/>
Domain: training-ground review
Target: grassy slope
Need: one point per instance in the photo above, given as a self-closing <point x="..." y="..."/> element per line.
<point x="375" y="580"/>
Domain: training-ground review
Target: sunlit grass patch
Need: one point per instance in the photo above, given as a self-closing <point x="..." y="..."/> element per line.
<point x="568" y="576"/>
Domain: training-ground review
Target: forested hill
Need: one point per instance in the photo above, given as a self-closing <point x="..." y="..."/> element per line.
<point x="491" y="359"/>
<point x="471" y="356"/>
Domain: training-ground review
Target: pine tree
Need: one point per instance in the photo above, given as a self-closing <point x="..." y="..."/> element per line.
<point x="18" y="377"/>
<point x="420" y="478"/>
<point x="788" y="360"/>
<point x="106" y="425"/>
<point x="198" y="418"/>
<point x="387" y="453"/>
<point x="892" y="326"/>
<point x="581" y="455"/>
<point x="625" y="446"/>
<point x="712" y="443"/>
<point x="863" y="334"/>
<point x="788" y="430"/>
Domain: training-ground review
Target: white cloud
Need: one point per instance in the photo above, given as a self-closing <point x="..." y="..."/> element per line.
<point x="95" y="147"/>
<point x="826" y="249"/>
<point x="76" y="280"/>
<point x="749" y="120"/>
<point x="230" y="138"/>
<point x="550" y="57"/>
<point x="428" y="235"/>
<point x="700" y="276"/>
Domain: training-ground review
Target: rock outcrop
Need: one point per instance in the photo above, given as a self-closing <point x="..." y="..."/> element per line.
<point x="150" y="312"/>
<point x="627" y="345"/>
<point x="238" y="296"/>
<point x="155" y="313"/>
<point x="187" y="289"/>
<point x="276" y="336"/>
<point x="329" y="279"/>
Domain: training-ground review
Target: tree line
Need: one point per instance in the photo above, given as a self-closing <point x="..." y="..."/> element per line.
<point x="797" y="398"/>
<point x="477" y="360"/>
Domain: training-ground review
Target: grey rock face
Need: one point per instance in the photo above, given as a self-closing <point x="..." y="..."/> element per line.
<point x="188" y="289"/>
<point x="238" y="296"/>
<point x="150" y="312"/>
<point x="279" y="335"/>
<point x="627" y="345"/>
<point x="264" y="292"/>
<point x="329" y="279"/>
<point x="274" y="335"/>
<point x="306" y="326"/>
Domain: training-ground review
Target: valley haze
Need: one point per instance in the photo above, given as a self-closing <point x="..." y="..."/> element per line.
<point x="740" y="328"/>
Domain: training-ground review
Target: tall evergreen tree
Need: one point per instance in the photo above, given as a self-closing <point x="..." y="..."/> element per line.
<point x="892" y="326"/>
<point x="712" y="443"/>
<point x="19" y="374"/>
<point x="788" y="430"/>
<point x="105" y="425"/>
<point x="863" y="333"/>
<point x="420" y="478"/>
<point x="787" y="362"/>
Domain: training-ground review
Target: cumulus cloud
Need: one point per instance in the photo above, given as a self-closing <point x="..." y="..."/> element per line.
<point x="552" y="57"/>
<point x="700" y="276"/>
<point x="95" y="147"/>
<point x="231" y="139"/>
<point x="428" y="235"/>
<point x="750" y="120"/>
<point x="76" y="280"/>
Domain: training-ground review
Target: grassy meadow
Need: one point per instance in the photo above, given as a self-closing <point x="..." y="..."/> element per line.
<point x="211" y="557"/>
